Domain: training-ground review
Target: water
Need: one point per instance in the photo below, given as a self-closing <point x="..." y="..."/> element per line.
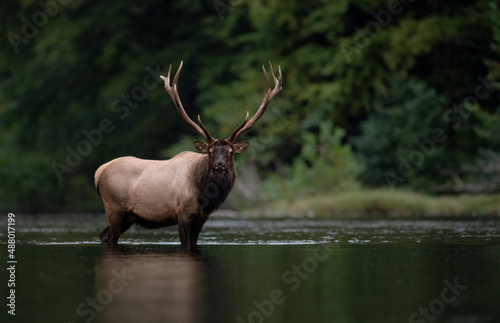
<point x="258" y="270"/>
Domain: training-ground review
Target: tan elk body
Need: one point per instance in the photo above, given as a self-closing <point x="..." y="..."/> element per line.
<point x="183" y="190"/>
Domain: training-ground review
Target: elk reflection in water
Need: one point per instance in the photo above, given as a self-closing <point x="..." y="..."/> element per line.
<point x="150" y="286"/>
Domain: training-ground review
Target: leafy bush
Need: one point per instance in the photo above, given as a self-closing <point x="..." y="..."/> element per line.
<point x="83" y="66"/>
<point x="396" y="143"/>
<point x="324" y="165"/>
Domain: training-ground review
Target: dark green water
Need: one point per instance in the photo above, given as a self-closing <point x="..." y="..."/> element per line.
<point x="257" y="270"/>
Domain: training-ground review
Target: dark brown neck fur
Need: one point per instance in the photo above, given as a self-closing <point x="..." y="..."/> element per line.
<point x="213" y="188"/>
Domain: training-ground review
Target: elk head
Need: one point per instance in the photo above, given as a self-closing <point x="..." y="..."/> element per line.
<point x="221" y="151"/>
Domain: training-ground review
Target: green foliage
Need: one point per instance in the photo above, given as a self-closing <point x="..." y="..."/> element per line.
<point x="396" y="143"/>
<point x="363" y="66"/>
<point x="324" y="165"/>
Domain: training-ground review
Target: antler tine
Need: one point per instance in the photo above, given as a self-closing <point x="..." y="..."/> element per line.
<point x="276" y="81"/>
<point x="266" y="78"/>
<point x="176" y="77"/>
<point x="268" y="96"/>
<point x="238" y="128"/>
<point x="174" y="95"/>
<point x="205" y="130"/>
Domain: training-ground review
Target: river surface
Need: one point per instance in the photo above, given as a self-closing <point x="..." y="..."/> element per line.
<point x="287" y="269"/>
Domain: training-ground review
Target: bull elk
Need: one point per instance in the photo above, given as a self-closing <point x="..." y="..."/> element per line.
<point x="183" y="190"/>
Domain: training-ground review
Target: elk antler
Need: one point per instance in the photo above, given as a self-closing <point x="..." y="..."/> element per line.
<point x="172" y="91"/>
<point x="268" y="96"/>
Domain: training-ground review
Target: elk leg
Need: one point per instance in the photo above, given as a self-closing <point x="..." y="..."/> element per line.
<point x="184" y="233"/>
<point x="114" y="231"/>
<point x="189" y="232"/>
<point x="105" y="235"/>
<point x="117" y="225"/>
<point x="127" y="222"/>
<point x="195" y="232"/>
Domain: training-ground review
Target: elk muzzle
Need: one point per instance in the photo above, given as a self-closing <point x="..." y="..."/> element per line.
<point x="219" y="164"/>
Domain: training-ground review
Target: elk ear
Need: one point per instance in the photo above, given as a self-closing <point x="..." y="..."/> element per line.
<point x="241" y="146"/>
<point x="201" y="146"/>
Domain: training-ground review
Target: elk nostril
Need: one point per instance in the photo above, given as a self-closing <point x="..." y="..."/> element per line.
<point x="219" y="164"/>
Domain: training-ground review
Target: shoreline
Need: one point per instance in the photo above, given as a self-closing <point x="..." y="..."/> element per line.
<point x="391" y="203"/>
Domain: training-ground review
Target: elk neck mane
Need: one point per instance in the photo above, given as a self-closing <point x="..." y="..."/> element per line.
<point x="212" y="188"/>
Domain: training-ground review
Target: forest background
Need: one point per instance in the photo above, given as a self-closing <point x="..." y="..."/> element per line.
<point x="391" y="101"/>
